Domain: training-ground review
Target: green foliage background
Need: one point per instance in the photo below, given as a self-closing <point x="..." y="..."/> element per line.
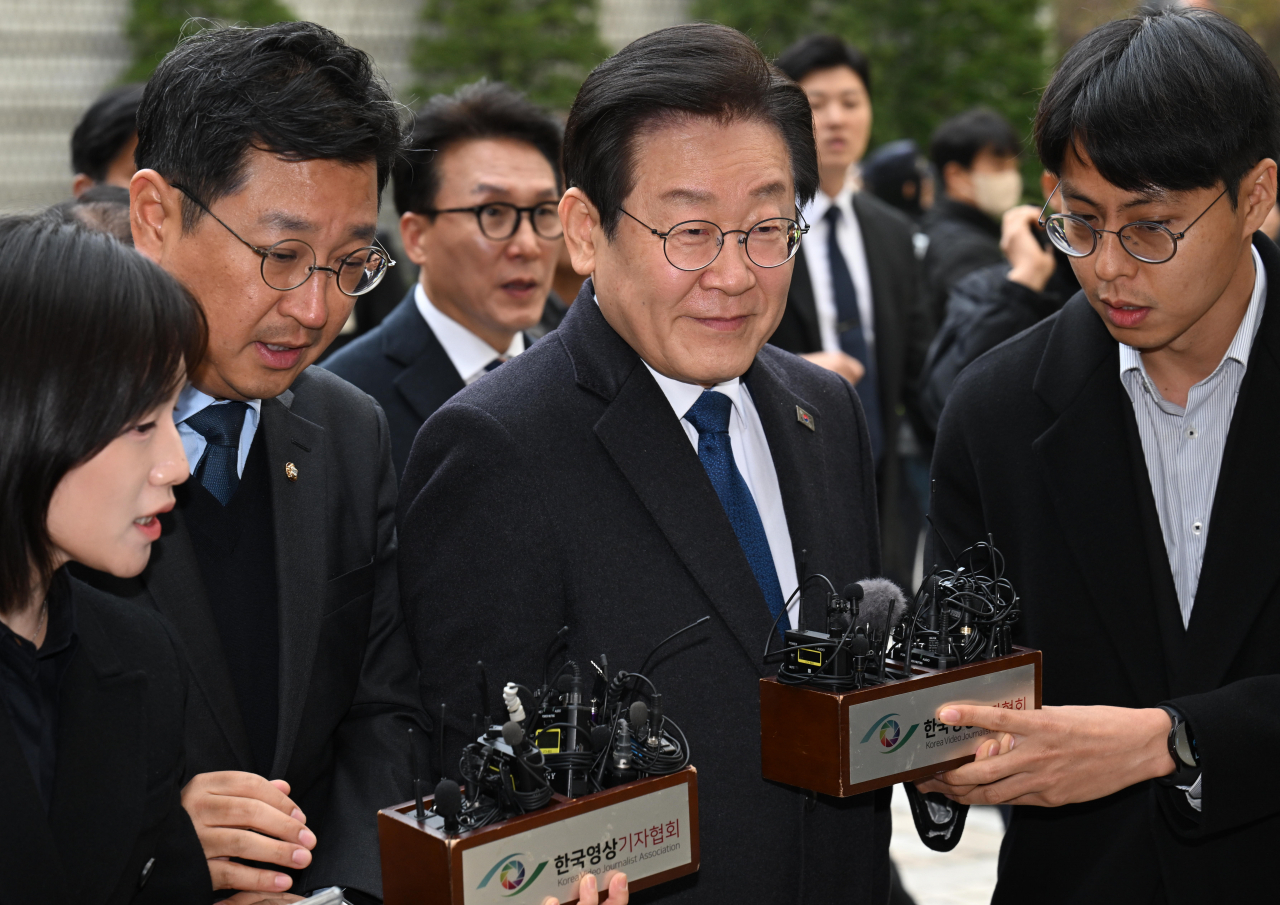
<point x="155" y="26"/>
<point x="544" y="48"/>
<point x="930" y="59"/>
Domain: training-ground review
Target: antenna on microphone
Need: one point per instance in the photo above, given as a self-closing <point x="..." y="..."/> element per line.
<point x="659" y="645"/>
<point x="440" y="740"/>
<point x="551" y="649"/>
<point x="420" y="813"/>
<point x="482" y="683"/>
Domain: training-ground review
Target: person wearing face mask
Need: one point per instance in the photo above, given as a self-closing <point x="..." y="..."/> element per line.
<point x="477" y="196"/>
<point x="93" y="689"/>
<point x="854" y="305"/>
<point x="975" y="156"/>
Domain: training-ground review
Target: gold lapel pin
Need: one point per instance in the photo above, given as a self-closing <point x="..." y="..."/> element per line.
<point x="291" y="471"/>
<point x="805" y="418"/>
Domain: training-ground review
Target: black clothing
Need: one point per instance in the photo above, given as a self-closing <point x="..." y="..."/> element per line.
<point x="347" y="677"/>
<point x="961" y="239"/>
<point x="236" y="549"/>
<point x="1039" y="446"/>
<point x="983" y="310"/>
<point x="553" y="313"/>
<point x="30" y="679"/>
<point x="114" y="830"/>
<point x="562" y="490"/>
<point x="405" y="368"/>
<point x="902" y="330"/>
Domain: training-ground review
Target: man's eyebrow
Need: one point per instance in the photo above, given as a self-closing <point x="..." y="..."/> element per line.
<point x="363" y="231"/>
<point x="769" y="190"/>
<point x="688" y="196"/>
<point x="1149" y="197"/>
<point x="485" y="188"/>
<point x="286" y="222"/>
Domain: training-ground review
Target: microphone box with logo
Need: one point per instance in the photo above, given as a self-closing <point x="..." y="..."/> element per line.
<point x="648" y="829"/>
<point x="847" y="743"/>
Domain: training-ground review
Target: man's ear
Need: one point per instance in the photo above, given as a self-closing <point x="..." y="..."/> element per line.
<point x="155" y="213"/>
<point x="80" y="184"/>
<point x="1257" y="194"/>
<point x="414" y="231"/>
<point x="581" y="222"/>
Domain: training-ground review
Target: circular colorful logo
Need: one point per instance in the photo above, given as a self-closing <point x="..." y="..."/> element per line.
<point x="889" y="733"/>
<point x="512" y="875"/>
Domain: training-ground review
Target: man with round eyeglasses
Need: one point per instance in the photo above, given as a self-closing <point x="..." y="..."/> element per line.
<point x="1121" y="456"/>
<point x="652" y="461"/>
<point x="477" y="194"/>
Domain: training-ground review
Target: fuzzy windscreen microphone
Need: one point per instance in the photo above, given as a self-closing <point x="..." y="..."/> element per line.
<point x="883" y="605"/>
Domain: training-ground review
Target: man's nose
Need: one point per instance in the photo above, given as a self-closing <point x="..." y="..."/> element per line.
<point x="308" y="304"/>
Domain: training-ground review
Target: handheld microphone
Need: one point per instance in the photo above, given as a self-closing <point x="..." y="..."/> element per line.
<point x="883" y="605"/>
<point x="448" y="804"/>
<point x="639" y="713"/>
<point x="859" y="647"/>
<point x="655" y="721"/>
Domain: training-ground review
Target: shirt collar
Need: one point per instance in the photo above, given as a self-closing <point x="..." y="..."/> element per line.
<point x="816" y="209"/>
<point x="191" y="401"/>
<point x="682" y="395"/>
<point x="468" y="353"/>
<point x="1241" y="344"/>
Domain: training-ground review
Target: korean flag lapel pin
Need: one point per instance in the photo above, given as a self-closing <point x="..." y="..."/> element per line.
<point x="805" y="418"/>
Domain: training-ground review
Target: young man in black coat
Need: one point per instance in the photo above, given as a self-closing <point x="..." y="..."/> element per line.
<point x="1121" y="455"/>
<point x="652" y="461"/>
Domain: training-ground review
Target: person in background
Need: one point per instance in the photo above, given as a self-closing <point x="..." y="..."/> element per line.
<point x="898" y="175"/>
<point x="855" y="305"/>
<point x="1121" y="455"/>
<point x="103" y="142"/>
<point x="996" y="302"/>
<point x="103" y="208"/>
<point x="262" y="154"/>
<point x="477" y="196"/>
<point x="975" y="156"/>
<point x="93" y="689"/>
<point x="654" y="461"/>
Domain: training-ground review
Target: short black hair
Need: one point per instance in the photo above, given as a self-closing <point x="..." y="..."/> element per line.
<point x="962" y="138"/>
<point x="480" y="110"/>
<point x="104" y="130"/>
<point x="1173" y="99"/>
<point x="815" y="52"/>
<point x="294" y="88"/>
<point x="93" y="336"/>
<point x="684" y="71"/>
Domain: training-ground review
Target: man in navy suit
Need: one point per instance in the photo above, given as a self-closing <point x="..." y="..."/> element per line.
<point x="477" y="197"/>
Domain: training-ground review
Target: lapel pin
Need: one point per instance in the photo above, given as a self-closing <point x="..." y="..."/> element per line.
<point x="805" y="418"/>
<point x="291" y="471"/>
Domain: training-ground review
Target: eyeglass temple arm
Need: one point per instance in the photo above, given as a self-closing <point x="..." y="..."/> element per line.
<point x="1044" y="210"/>
<point x="262" y="252"/>
<point x="1179" y="236"/>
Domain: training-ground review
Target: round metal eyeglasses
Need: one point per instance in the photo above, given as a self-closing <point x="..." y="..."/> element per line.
<point x="1146" y="240"/>
<point x="500" y="221"/>
<point x="291" y="262"/>
<point x="695" y="244"/>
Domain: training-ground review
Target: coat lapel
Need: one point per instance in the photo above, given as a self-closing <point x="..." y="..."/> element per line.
<point x="1241" y="570"/>
<point x="30" y="864"/>
<point x="429" y="378"/>
<point x="102" y="766"/>
<point x="298" y="511"/>
<point x="1085" y="458"/>
<point x="644" y="438"/>
<point x="174" y="582"/>
<point x="880" y="263"/>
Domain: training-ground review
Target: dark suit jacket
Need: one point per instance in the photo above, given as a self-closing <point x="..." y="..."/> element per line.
<point x="403" y="366"/>
<point x="961" y="239"/>
<point x="119" y="774"/>
<point x="1039" y="446"/>
<point x="347" y="674"/>
<point x="902" y="333"/>
<point x="561" y="490"/>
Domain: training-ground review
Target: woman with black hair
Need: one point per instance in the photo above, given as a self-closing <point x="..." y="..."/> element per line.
<point x="94" y="345"/>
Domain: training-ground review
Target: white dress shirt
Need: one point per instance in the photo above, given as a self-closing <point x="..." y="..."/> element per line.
<point x="849" y="238"/>
<point x="191" y="401"/>
<point x="1183" y="450"/>
<point x="755" y="463"/>
<point x="469" y="353"/>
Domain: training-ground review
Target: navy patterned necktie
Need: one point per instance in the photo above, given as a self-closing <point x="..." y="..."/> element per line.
<point x="853" y="341"/>
<point x="220" y="425"/>
<point x="710" y="417"/>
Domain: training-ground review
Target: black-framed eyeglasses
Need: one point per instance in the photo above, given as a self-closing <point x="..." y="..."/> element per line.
<point x="500" y="220"/>
<point x="695" y="244"/>
<point x="291" y="262"/>
<point x="1146" y="240"/>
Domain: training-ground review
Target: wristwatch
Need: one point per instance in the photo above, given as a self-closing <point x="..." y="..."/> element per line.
<point x="1182" y="748"/>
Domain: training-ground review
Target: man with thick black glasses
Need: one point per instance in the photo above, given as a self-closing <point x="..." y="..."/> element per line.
<point x="652" y="461"/>
<point x="477" y="194"/>
<point x="261" y="156"/>
<point x="1121" y="454"/>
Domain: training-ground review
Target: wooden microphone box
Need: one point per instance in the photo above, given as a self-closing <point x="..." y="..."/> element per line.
<point x="847" y="743"/>
<point x="648" y="829"/>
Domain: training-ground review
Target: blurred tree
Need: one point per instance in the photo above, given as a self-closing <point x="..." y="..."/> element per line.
<point x="155" y="26"/>
<point x="930" y="59"/>
<point x="544" y="48"/>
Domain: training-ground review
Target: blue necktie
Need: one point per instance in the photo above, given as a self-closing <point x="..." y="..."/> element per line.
<point x="710" y="417"/>
<point x="849" y="330"/>
<point x="220" y="425"/>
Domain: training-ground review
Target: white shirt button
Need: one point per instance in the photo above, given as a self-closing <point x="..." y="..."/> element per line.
<point x="1197" y="527"/>
<point x="1192" y="432"/>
